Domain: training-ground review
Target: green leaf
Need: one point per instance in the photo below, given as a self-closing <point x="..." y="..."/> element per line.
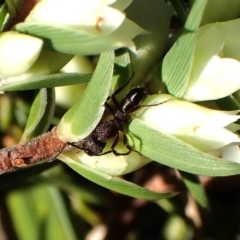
<point x="6" y="112"/>
<point x="113" y="183"/>
<point x="21" y="207"/>
<point x="12" y="6"/>
<point x="57" y="216"/>
<point x="195" y="188"/>
<point x="86" y="113"/>
<point x="41" y="114"/>
<point x="38" y="211"/>
<point x="45" y="81"/>
<point x="3" y="13"/>
<point x="177" y="64"/>
<point x="122" y="72"/>
<point x="170" y="151"/>
<point x="229" y="103"/>
<point x="69" y="40"/>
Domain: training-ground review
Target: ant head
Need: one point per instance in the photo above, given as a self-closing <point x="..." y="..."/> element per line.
<point x="133" y="99"/>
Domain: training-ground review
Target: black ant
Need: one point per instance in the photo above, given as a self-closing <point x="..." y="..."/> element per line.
<point x="94" y="143"/>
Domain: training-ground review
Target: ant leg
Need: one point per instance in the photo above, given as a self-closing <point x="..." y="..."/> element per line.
<point x="156" y="104"/>
<point x="114" y="99"/>
<point x="109" y="108"/>
<point x="114" y="144"/>
<point x="116" y="140"/>
<point x="123" y="86"/>
<point x="130" y="149"/>
<point x="76" y="146"/>
<point x="126" y="145"/>
<point x="119" y="90"/>
<point x="149" y="105"/>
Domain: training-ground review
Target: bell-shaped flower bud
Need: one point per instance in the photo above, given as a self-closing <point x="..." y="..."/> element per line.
<point x="203" y="128"/>
<point x="216" y="62"/>
<point x="93" y="19"/>
<point x="18" y="53"/>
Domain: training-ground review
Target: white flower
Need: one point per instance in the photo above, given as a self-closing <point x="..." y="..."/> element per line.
<point x="216" y="67"/>
<point x="22" y="57"/>
<point x="198" y="126"/>
<point x="18" y="53"/>
<point x="66" y="96"/>
<point x="93" y="18"/>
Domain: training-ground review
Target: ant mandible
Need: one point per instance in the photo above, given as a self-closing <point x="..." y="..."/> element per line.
<point x="94" y="143"/>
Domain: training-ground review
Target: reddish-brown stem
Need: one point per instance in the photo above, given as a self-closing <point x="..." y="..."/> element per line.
<point x="45" y="147"/>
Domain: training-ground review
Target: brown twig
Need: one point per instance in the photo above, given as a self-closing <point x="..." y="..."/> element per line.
<point x="44" y="147"/>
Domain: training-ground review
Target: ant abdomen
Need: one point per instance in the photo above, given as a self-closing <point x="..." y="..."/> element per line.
<point x="106" y="130"/>
<point x="92" y="146"/>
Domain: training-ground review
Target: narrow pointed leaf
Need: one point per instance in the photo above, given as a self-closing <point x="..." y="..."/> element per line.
<point x="3" y="13"/>
<point x="58" y="216"/>
<point x="21" y="206"/>
<point x="177" y="63"/>
<point x="114" y="183"/>
<point x="170" y="151"/>
<point x="71" y="40"/>
<point x="195" y="187"/>
<point x="86" y="113"/>
<point x="41" y="114"/>
<point x="45" y="81"/>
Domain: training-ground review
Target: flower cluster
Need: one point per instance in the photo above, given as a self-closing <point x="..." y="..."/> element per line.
<point x="23" y="55"/>
<point x="102" y="25"/>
